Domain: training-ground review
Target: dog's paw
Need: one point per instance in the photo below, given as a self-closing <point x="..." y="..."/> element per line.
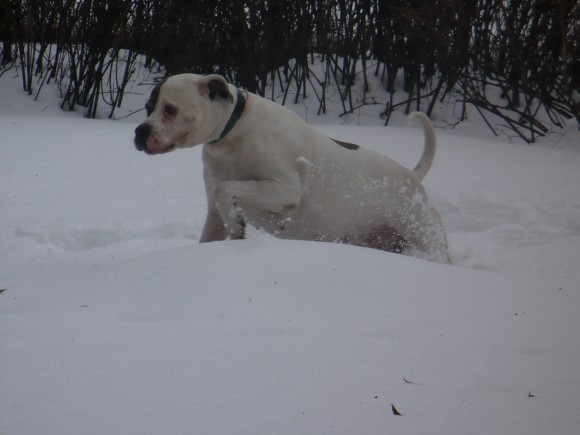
<point x="238" y="227"/>
<point x="237" y="233"/>
<point x="238" y="230"/>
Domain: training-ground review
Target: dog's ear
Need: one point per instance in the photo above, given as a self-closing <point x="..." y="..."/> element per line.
<point x="215" y="86"/>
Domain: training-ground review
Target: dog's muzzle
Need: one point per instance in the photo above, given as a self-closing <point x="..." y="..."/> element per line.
<point x="142" y="134"/>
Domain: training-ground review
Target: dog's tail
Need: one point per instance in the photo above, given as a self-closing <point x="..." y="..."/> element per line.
<point x="430" y="144"/>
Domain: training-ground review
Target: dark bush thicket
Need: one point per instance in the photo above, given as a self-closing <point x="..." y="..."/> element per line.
<point x="525" y="51"/>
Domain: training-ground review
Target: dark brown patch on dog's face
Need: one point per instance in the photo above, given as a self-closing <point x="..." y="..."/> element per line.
<point x="152" y="102"/>
<point x="348" y="146"/>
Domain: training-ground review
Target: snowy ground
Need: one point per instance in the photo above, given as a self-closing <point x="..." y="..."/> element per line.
<point x="115" y="321"/>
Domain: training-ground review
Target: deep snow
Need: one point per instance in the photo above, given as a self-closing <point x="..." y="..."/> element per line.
<point x="114" y="320"/>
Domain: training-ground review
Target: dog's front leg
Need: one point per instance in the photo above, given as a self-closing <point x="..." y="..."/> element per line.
<point x="214" y="227"/>
<point x="235" y="198"/>
<point x="232" y="215"/>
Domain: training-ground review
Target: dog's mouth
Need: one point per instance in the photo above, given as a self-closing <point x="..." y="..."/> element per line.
<point x="163" y="150"/>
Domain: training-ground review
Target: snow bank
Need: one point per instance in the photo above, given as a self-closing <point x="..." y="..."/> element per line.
<point x="114" y="320"/>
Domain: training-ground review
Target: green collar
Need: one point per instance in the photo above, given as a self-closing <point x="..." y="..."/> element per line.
<point x="236" y="114"/>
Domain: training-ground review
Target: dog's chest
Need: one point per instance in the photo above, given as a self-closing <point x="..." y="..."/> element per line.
<point x="223" y="164"/>
<point x="235" y="163"/>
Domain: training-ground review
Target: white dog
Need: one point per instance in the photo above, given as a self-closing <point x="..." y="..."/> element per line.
<point x="265" y="166"/>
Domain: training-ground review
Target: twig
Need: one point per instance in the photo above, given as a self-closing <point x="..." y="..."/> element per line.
<point x="409" y="382"/>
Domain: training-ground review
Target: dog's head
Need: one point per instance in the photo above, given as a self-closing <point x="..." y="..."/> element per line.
<point x="183" y="111"/>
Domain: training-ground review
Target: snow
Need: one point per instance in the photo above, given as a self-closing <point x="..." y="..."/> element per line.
<point x="115" y="320"/>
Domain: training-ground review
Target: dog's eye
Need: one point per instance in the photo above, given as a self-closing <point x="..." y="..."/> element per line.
<point x="169" y="110"/>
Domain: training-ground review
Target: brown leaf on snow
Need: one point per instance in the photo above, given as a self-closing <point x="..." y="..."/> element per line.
<point x="395" y="410"/>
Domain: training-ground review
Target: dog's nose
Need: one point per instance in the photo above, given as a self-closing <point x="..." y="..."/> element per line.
<point x="141" y="134"/>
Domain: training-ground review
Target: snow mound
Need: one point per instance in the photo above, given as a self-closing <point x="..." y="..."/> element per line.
<point x="114" y="320"/>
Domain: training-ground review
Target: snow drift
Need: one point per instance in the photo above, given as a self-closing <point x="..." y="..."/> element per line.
<point x="114" y="320"/>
